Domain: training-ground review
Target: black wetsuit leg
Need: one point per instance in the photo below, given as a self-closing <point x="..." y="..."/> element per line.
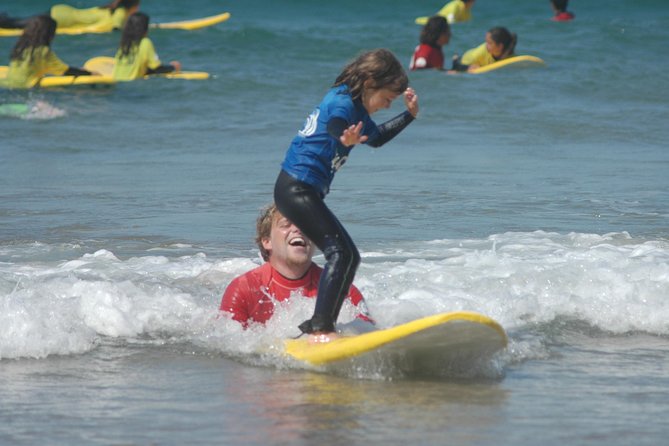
<point x="304" y="206"/>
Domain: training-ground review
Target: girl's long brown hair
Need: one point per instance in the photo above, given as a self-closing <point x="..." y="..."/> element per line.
<point x="379" y="66"/>
<point x="134" y="30"/>
<point x="433" y="29"/>
<point x="39" y="31"/>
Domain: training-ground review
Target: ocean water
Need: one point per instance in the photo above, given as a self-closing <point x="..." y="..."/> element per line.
<point x="538" y="197"/>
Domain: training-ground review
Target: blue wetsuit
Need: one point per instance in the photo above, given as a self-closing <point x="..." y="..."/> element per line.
<point x="311" y="162"/>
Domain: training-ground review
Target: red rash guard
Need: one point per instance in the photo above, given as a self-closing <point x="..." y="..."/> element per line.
<point x="426" y="56"/>
<point x="247" y="296"/>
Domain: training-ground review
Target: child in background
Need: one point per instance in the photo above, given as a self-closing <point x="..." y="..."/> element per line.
<point x="560" y="11"/>
<point x="499" y="44"/>
<point x="369" y="83"/>
<point x="32" y="57"/>
<point x="136" y="56"/>
<point x="102" y="18"/>
<point x="434" y="35"/>
<point x="457" y="11"/>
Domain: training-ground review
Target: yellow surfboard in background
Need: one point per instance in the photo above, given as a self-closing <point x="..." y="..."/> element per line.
<point x="190" y="25"/>
<point x="187" y="25"/>
<point x="515" y="61"/>
<point x="105" y="66"/>
<point x="64" y="81"/>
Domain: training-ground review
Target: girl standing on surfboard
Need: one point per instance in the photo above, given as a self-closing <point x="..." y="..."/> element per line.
<point x="136" y="55"/>
<point x="499" y="44"/>
<point x="32" y="57"/>
<point x="367" y="84"/>
<point x="434" y="35"/>
<point x="102" y="18"/>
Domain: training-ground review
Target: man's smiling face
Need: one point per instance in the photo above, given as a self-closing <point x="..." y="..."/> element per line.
<point x="287" y="245"/>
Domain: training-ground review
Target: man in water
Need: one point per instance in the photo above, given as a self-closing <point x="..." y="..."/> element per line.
<point x="289" y="269"/>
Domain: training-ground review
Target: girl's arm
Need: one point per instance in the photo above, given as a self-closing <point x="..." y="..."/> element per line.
<point x="389" y="129"/>
<point x="162" y="69"/>
<point x="350" y="135"/>
<point x="72" y="71"/>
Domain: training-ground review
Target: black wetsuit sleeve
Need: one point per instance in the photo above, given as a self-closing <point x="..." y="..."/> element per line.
<point x="71" y="71"/>
<point x="457" y="66"/>
<point x="336" y="127"/>
<point x="162" y="69"/>
<point x="389" y="129"/>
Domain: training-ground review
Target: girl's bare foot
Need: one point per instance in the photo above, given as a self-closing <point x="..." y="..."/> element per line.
<point x="322" y="338"/>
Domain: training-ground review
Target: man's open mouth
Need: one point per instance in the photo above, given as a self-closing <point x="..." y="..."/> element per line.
<point x="297" y="241"/>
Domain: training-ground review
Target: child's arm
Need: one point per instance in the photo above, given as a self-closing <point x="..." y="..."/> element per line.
<point x="72" y="71"/>
<point x="339" y="129"/>
<point x="389" y="129"/>
<point x="174" y="66"/>
<point x="411" y="101"/>
<point x="350" y="135"/>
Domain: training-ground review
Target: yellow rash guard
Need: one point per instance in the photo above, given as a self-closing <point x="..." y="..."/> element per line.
<point x="136" y="64"/>
<point x="455" y="11"/>
<point x="102" y="19"/>
<point x="478" y="56"/>
<point x="26" y="72"/>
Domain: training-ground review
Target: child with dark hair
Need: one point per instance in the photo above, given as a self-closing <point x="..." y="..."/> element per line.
<point x="367" y="84"/>
<point x="136" y="56"/>
<point x="499" y="44"/>
<point x="32" y="57"/>
<point x="560" y="13"/>
<point x="102" y="18"/>
<point x="429" y="54"/>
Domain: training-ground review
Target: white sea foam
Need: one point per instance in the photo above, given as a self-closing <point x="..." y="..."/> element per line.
<point x="611" y="282"/>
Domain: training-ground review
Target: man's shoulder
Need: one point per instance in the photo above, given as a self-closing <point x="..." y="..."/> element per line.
<point x="260" y="273"/>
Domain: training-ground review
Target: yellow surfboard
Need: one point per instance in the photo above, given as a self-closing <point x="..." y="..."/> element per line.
<point x="188" y="25"/>
<point x="70" y="30"/>
<point x="446" y="334"/>
<point x="105" y="66"/>
<point x="515" y="61"/>
<point x="64" y="81"/>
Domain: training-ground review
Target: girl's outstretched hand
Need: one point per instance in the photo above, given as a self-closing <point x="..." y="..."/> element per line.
<point x="411" y="101"/>
<point x="352" y="135"/>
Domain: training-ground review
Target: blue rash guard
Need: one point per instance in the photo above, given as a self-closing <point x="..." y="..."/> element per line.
<point x="314" y="155"/>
